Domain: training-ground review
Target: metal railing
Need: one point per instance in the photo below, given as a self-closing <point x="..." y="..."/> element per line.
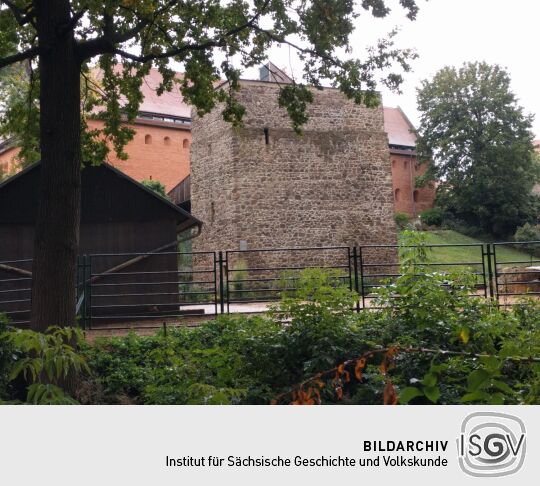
<point x="126" y="289"/>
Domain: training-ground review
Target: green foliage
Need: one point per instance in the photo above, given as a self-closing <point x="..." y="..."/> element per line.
<point x="155" y="186"/>
<point x="432" y="217"/>
<point x="480" y="143"/>
<point x="45" y="361"/>
<point x="402" y="220"/>
<point x="462" y="348"/>
<point x="6" y="357"/>
<point x="129" y="38"/>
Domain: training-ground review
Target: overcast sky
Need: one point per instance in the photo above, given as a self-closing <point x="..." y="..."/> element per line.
<point x="450" y="32"/>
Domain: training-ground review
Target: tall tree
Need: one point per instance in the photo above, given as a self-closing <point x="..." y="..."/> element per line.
<point x="480" y="143"/>
<point x="210" y="38"/>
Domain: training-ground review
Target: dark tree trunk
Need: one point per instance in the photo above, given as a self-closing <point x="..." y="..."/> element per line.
<point x="57" y="227"/>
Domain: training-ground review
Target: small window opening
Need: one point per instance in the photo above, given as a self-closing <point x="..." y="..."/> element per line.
<point x="266" y="136"/>
<point x="415" y="196"/>
<point x="148" y="139"/>
<point x="167" y="140"/>
<point x="396" y="194"/>
<point x="185" y="143"/>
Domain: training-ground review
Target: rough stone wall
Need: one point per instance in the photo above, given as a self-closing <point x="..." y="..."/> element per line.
<point x="330" y="187"/>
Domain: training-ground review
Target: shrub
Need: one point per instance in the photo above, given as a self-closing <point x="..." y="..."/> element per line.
<point x="6" y="353"/>
<point x="402" y="220"/>
<point x="527" y="232"/>
<point x="432" y="217"/>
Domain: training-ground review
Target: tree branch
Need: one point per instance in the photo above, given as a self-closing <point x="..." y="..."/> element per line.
<point x="21" y="56"/>
<point x="107" y="43"/>
<point x="23" y="16"/>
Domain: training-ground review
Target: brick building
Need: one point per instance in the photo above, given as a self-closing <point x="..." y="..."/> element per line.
<point x="160" y="148"/>
<point x="262" y="186"/>
<point x="408" y="198"/>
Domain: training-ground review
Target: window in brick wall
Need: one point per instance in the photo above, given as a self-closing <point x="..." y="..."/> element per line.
<point x="148" y="139"/>
<point x="167" y="140"/>
<point x="185" y="143"/>
<point x="397" y="194"/>
<point x="415" y="196"/>
<point x="405" y="164"/>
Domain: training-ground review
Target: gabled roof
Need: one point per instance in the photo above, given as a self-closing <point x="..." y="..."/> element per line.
<point x="184" y="219"/>
<point x="401" y="132"/>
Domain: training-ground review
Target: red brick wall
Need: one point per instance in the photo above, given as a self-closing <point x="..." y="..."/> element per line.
<point x="8" y="162"/>
<point x="157" y="159"/>
<point x="408" y="198"/>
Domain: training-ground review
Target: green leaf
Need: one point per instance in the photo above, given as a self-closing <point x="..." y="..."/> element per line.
<point x="429" y="380"/>
<point x="476" y="379"/>
<point x="501" y="385"/>
<point x="407" y="394"/>
<point x="432" y="393"/>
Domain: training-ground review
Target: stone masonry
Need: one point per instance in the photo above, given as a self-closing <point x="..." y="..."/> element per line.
<point x="331" y="186"/>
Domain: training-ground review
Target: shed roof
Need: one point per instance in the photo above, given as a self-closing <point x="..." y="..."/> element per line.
<point x="25" y="209"/>
<point x="399" y="128"/>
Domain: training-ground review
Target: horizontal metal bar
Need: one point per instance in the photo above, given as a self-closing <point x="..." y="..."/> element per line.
<point x="151" y="317"/>
<point x="179" y="294"/>
<point x="522" y="294"/>
<point x="519" y="261"/>
<point x="16" y="261"/>
<point x="102" y="255"/>
<point x="180" y="272"/>
<point x="15" y="279"/>
<point x="270" y="269"/>
<point x="516" y="243"/>
<point x="231" y="291"/>
<point x="431" y="264"/>
<point x="156" y="304"/>
<point x="445" y="245"/>
<point x="312" y="248"/>
<point x="179" y="282"/>
<point x="13" y="301"/>
<point x="14" y="290"/>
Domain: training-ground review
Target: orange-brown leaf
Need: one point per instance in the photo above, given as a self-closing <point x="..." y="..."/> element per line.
<point x="360" y="365"/>
<point x="383" y="366"/>
<point x="341" y="369"/>
<point x="390" y="396"/>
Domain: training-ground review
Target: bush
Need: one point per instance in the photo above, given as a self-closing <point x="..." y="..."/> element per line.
<point x="527" y="232"/>
<point x="402" y="220"/>
<point x="6" y="353"/>
<point x="432" y="217"/>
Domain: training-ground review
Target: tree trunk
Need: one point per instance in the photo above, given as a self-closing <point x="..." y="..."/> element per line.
<point x="57" y="226"/>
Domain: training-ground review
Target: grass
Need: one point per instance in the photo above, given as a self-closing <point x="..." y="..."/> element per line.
<point x="469" y="255"/>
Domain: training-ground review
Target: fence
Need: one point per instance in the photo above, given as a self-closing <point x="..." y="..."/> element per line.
<point x="118" y="290"/>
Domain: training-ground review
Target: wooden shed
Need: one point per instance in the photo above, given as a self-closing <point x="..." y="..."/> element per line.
<point x="121" y="220"/>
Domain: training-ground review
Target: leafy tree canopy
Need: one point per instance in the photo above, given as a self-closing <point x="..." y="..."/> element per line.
<point x="61" y="41"/>
<point x="211" y="39"/>
<point x="480" y="143"/>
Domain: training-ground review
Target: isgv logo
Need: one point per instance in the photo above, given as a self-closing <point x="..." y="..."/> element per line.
<point x="491" y="444"/>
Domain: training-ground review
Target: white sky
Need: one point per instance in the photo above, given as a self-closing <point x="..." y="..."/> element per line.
<point x="450" y="32"/>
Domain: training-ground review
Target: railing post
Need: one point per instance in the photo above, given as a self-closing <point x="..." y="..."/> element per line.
<point x="88" y="291"/>
<point x="493" y="293"/>
<point x="356" y="285"/>
<point x="221" y="289"/>
<point x="362" y="291"/>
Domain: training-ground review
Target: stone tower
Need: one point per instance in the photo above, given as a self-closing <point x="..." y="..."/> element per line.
<point x="263" y="186"/>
